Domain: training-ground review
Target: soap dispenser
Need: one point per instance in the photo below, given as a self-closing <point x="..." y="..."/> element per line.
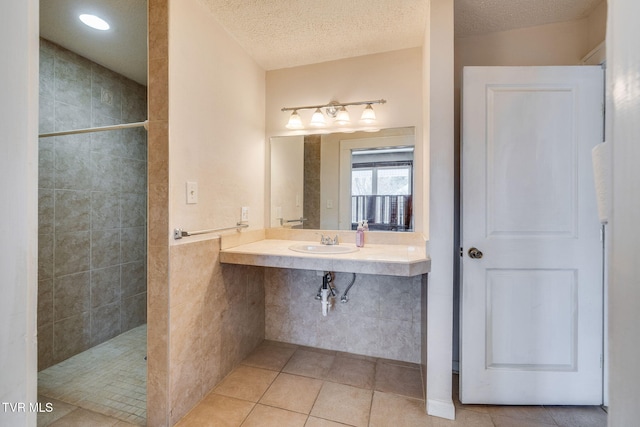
<point x="360" y="235"/>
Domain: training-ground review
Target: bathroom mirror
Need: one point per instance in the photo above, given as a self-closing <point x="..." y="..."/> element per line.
<point x="333" y="181"/>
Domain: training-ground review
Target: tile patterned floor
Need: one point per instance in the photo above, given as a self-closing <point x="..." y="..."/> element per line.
<point x="103" y="386"/>
<point x="284" y="385"/>
<point x="278" y="385"/>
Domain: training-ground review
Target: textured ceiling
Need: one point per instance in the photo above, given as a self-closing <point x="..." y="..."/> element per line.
<point x="473" y="17"/>
<point x="287" y="33"/>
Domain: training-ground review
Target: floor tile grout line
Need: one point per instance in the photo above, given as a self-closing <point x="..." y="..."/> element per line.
<point x="316" y="399"/>
<point x="373" y="392"/>
<point x="249" y="414"/>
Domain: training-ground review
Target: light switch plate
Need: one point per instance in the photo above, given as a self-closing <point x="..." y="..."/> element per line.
<point x="192" y="192"/>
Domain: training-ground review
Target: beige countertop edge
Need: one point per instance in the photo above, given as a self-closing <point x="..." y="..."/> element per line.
<point x="275" y="253"/>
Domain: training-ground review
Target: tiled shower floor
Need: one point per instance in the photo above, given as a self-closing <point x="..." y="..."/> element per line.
<point x="100" y="386"/>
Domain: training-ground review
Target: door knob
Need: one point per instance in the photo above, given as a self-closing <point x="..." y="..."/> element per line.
<point x="474" y="253"/>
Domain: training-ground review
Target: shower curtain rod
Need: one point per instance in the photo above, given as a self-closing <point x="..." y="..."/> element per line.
<point x="97" y="129"/>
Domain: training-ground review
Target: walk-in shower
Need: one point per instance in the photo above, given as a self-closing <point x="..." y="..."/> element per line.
<point x="92" y="208"/>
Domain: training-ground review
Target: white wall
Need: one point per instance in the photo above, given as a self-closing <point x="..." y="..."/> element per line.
<point x="394" y="76"/>
<point x="18" y="217"/>
<point x="439" y="154"/>
<point x="216" y="131"/>
<point x="623" y="130"/>
<point x="597" y="25"/>
<point x="563" y="43"/>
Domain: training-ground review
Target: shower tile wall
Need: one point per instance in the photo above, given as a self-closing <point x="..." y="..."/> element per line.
<point x="92" y="206"/>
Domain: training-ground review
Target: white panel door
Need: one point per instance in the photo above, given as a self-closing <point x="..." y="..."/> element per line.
<point x="531" y="299"/>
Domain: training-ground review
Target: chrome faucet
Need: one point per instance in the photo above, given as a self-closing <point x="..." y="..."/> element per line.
<point x="327" y="240"/>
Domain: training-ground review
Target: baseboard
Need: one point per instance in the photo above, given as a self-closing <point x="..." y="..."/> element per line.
<point x="442" y="409"/>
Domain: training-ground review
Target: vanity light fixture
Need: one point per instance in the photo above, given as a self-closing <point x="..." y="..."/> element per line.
<point x="342" y="118"/>
<point x="335" y="110"/>
<point x="368" y="115"/>
<point x="295" y="122"/>
<point x="94" y="22"/>
<point x="318" y="120"/>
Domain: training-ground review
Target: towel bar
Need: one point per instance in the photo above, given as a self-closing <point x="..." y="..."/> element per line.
<point x="178" y="233"/>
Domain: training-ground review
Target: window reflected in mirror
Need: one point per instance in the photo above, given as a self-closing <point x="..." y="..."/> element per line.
<point x="382" y="188"/>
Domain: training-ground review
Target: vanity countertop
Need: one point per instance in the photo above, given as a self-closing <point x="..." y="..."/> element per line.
<point x="385" y="259"/>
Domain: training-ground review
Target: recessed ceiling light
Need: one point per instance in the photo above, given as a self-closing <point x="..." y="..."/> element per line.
<point x="94" y="22"/>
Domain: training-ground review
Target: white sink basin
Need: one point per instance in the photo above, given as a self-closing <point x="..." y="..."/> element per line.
<point x="322" y="249"/>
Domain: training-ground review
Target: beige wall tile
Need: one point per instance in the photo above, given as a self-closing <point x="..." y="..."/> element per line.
<point x="158" y="89"/>
<point x="214" y="322"/>
<point x="158" y="28"/>
<point x="192" y="270"/>
<point x="158" y="365"/>
<point x="185" y="331"/>
<point x="158" y="153"/>
<point x="213" y="370"/>
<point x="186" y="389"/>
<point x="241" y="238"/>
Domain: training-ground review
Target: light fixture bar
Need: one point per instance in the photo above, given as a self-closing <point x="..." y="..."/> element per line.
<point x="334" y="104"/>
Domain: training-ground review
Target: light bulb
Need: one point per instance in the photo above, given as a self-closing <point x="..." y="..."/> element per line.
<point x="295" y="122"/>
<point x="343" y="117"/>
<point x="318" y="120"/>
<point x="368" y="115"/>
